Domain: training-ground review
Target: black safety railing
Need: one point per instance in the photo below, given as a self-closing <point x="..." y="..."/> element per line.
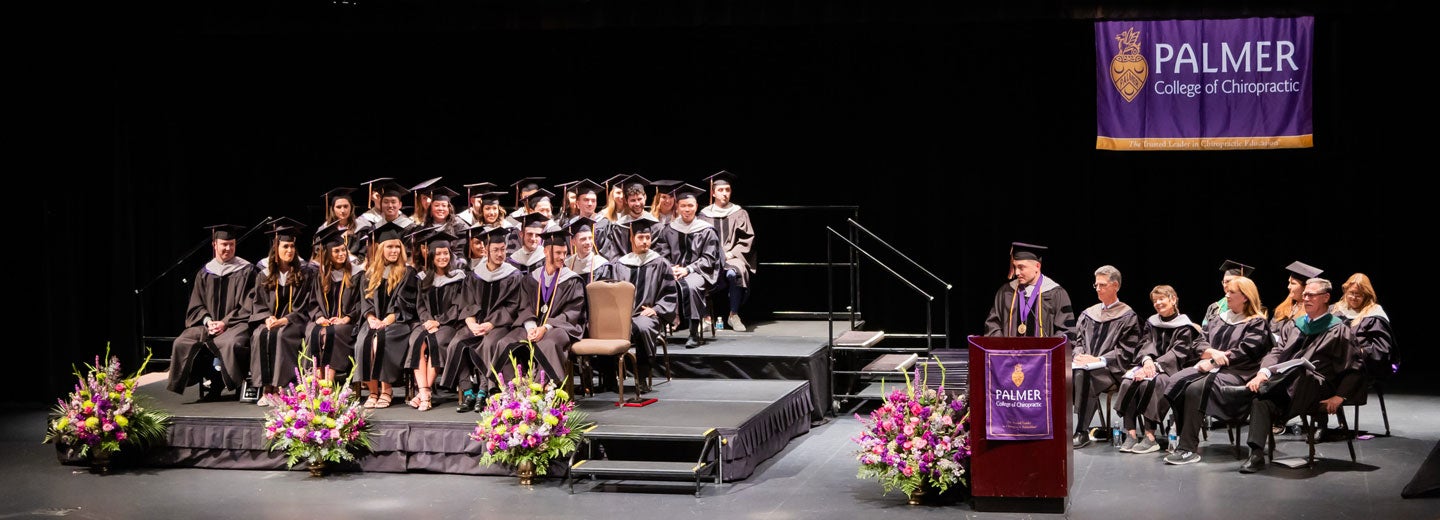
<point x="794" y="261"/>
<point x="945" y="295"/>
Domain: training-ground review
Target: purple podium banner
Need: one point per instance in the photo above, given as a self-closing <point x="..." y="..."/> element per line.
<point x="1234" y="84"/>
<point x="1017" y="399"/>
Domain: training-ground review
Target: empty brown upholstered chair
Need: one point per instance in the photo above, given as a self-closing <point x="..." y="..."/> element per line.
<point x="608" y="331"/>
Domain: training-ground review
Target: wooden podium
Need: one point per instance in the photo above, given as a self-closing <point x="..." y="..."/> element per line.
<point x="1022" y="475"/>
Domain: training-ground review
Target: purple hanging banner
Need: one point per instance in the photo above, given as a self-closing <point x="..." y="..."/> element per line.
<point x="1234" y="84"/>
<point x="1017" y="402"/>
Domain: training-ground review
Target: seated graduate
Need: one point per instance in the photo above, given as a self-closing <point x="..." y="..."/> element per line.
<point x="737" y="244"/>
<point x="217" y="320"/>
<point x="335" y="291"/>
<point x="1283" y="318"/>
<point x="584" y="261"/>
<point x="692" y="247"/>
<point x="423" y="194"/>
<point x="1230" y="355"/>
<point x="1229" y="270"/>
<point x="552" y="308"/>
<point x="438" y="306"/>
<point x="656" y="295"/>
<point x="615" y="243"/>
<point x="1106" y="338"/>
<point x="279" y="312"/>
<point x="371" y="218"/>
<point x="491" y="302"/>
<point x="662" y="204"/>
<point x="1168" y="343"/>
<point x="587" y="195"/>
<point x="389" y="311"/>
<point x="524" y="189"/>
<point x="1326" y="351"/>
<point x="442" y="213"/>
<point x="1364" y="315"/>
<point x="531" y="255"/>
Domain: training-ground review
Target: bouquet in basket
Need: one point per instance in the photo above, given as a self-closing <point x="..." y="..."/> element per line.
<point x="103" y="414"/>
<point x="918" y="437"/>
<point x="531" y="421"/>
<point x="317" y="420"/>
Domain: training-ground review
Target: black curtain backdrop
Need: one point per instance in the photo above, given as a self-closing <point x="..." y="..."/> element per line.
<point x="955" y="132"/>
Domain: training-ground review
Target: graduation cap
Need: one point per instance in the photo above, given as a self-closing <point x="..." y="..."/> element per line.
<point x="1023" y="251"/>
<point x="1302" y="271"/>
<point x="440" y="239"/>
<point x="565" y="186"/>
<point x="584" y="186"/>
<point x="720" y="178"/>
<point x="523" y="185"/>
<point x="475" y="189"/>
<point x="390" y="189"/>
<point x="421" y="234"/>
<point x="555" y="236"/>
<point x="284" y="229"/>
<point x="329" y="236"/>
<point x="489" y="198"/>
<point x="342" y="192"/>
<point x="444" y="194"/>
<point x="1232" y="267"/>
<point x="615" y="178"/>
<point x="373" y="185"/>
<point x="645" y="224"/>
<point x="389" y="231"/>
<point x="581" y="225"/>
<point x="540" y="193"/>
<point x="634" y="179"/>
<point x="495" y="235"/>
<point x="423" y="187"/>
<point x="534" y="220"/>
<point x="665" y="186"/>
<point x="225" y="231"/>
<point x="686" y="191"/>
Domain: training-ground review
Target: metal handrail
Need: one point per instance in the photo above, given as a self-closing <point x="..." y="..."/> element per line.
<point x="945" y="305"/>
<point x="829" y="284"/>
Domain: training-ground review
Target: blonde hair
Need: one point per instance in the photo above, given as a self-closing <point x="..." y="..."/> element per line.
<point x="1166" y="291"/>
<point x="1288" y="308"/>
<point x="1247" y="289"/>
<point x="375" y="269"/>
<point x="613" y="205"/>
<point x="1360" y="283"/>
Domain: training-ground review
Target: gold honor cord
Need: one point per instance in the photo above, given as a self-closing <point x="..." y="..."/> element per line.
<point x="540" y="296"/>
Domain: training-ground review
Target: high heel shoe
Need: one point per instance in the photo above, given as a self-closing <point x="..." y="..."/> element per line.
<point x="384" y="401"/>
<point x="424" y="401"/>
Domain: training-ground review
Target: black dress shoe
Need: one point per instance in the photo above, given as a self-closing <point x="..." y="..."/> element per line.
<point x="1256" y="462"/>
<point x="1080" y="440"/>
<point x="467" y="403"/>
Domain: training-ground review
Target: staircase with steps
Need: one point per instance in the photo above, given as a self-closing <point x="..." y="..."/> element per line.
<point x="709" y="461"/>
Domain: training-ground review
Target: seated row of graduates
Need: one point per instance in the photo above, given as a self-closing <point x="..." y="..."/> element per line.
<point x="1310" y="359"/>
<point x="454" y="320"/>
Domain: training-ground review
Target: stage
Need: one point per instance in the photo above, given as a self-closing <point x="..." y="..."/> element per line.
<point x="758" y="389"/>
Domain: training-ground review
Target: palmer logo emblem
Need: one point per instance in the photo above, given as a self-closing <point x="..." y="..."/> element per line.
<point x="1128" y="69"/>
<point x="1017" y="376"/>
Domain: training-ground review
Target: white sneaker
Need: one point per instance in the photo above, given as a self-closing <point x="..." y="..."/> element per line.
<point x="736" y="324"/>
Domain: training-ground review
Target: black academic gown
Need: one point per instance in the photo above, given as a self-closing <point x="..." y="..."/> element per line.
<point x="382" y="352"/>
<point x="697" y="247"/>
<point x="1052" y="317"/>
<point x="1334" y="353"/>
<point x="612" y="240"/>
<point x="489" y="297"/>
<point x="220" y="292"/>
<point x="1113" y="335"/>
<point x="1171" y="344"/>
<point x="1214" y="310"/>
<point x="527" y="261"/>
<point x="562" y="312"/>
<point x="275" y="353"/>
<point x="655" y="288"/>
<point x="334" y="345"/>
<point x="439" y="299"/>
<point x="737" y="238"/>
<point x="1194" y="394"/>
<point x="1376" y="342"/>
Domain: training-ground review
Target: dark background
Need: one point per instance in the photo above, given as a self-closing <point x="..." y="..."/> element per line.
<point x="954" y="128"/>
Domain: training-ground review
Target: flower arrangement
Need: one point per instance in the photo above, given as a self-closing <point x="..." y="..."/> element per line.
<point x="318" y="420"/>
<point x="918" y="437"/>
<point x="530" y="422"/>
<point x="103" y="414"/>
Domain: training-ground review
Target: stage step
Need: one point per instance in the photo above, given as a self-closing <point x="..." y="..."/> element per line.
<point x="859" y="339"/>
<point x="709" y="461"/>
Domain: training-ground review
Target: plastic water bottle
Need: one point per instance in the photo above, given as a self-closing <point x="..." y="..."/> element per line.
<point x="719" y="325"/>
<point x="1174" y="436"/>
<point x="1115" y="436"/>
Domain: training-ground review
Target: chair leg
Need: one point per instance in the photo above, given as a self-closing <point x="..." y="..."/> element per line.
<point x="620" y="379"/>
<point x="665" y="347"/>
<point x="1309" y="439"/>
<point x="1380" y="392"/>
<point x="1350" y="434"/>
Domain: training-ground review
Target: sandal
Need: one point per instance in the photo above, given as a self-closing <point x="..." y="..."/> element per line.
<point x="383" y="402"/>
<point x="424" y="401"/>
<point x="414" y="402"/>
<point x="371" y="401"/>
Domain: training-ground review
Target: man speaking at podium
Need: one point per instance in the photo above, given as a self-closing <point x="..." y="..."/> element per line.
<point x="1030" y="304"/>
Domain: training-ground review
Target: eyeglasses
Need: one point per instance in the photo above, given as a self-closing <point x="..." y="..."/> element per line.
<point x="1099" y="285"/>
<point x="1313" y="295"/>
